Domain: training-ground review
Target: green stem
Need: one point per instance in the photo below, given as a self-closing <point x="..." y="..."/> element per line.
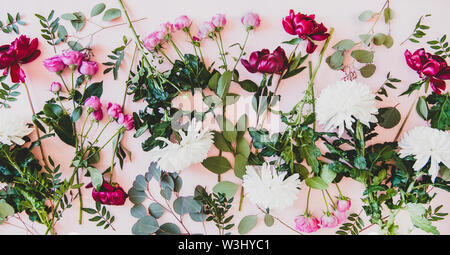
<point x="242" y="50"/>
<point x="307" y="203"/>
<point x="167" y="57"/>
<point x="325" y="200"/>
<point x="340" y="193"/>
<point x="331" y="199"/>
<point x="241" y="199"/>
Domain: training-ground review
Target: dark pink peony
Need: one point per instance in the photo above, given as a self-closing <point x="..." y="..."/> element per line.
<point x="109" y="194"/>
<point x="72" y="58"/>
<point x="114" y="110"/>
<point x="329" y="221"/>
<point x="307" y="224"/>
<point x="343" y="205"/>
<point x="54" y="64"/>
<point x="265" y="62"/>
<point x="95" y="107"/>
<point x="89" y="68"/>
<point x="126" y="120"/>
<point x="20" y="51"/>
<point x="432" y="66"/>
<point x="306" y="28"/>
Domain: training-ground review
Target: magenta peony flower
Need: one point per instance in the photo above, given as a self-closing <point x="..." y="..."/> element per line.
<point x="54" y="64"/>
<point x="114" y="110"/>
<point x="182" y="22"/>
<point x="219" y="21"/>
<point x="343" y="205"/>
<point x="251" y="20"/>
<point x="307" y="224"/>
<point x="329" y="221"/>
<point x="265" y="62"/>
<point x="341" y="216"/>
<point x="109" y="194"/>
<point x="126" y="120"/>
<point x="55" y="87"/>
<point x="153" y="40"/>
<point x="20" y="51"/>
<point x="306" y="28"/>
<point x="432" y="66"/>
<point x="88" y="68"/>
<point x="95" y="106"/>
<point x="205" y="30"/>
<point x="72" y="57"/>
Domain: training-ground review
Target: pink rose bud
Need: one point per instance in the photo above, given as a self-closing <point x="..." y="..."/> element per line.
<point x="343" y="205"/>
<point x="72" y="57"/>
<point x="54" y="64"/>
<point x="341" y="216"/>
<point x="205" y="29"/>
<point x="152" y="40"/>
<point x="126" y="120"/>
<point x="88" y="68"/>
<point x="182" y="22"/>
<point x="219" y="20"/>
<point x="164" y="30"/>
<point x="55" y="87"/>
<point x="307" y="224"/>
<point x="328" y="221"/>
<point x="94" y="103"/>
<point x="114" y="110"/>
<point x="196" y="39"/>
<point x="251" y="20"/>
<point x="98" y="115"/>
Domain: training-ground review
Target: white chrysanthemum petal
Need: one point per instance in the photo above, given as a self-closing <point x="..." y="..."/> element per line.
<point x="12" y="128"/>
<point x="267" y="188"/>
<point x="341" y="101"/>
<point x="193" y="148"/>
<point x="426" y="144"/>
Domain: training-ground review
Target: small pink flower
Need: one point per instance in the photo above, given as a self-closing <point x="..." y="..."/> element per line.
<point x="343" y="205"/>
<point x="219" y="21"/>
<point x="72" y="57"/>
<point x="126" y="120"/>
<point x="205" y="29"/>
<point x="94" y="103"/>
<point x="251" y="20"/>
<point x="182" y="22"/>
<point x="88" y="68"/>
<point x="307" y="224"/>
<point x="328" y="221"/>
<point x="114" y="110"/>
<point x="153" y="40"/>
<point x="54" y="64"/>
<point x="55" y="87"/>
<point x="341" y="216"/>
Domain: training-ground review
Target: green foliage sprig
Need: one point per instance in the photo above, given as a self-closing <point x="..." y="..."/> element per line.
<point x="102" y="216"/>
<point x="11" y="24"/>
<point x="7" y="93"/>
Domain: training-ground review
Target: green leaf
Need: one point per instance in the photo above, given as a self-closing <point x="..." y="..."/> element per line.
<point x="217" y="164"/>
<point x="184" y="205"/>
<point x="111" y="14"/>
<point x="169" y="229"/>
<point x="316" y="183"/>
<point x="229" y="131"/>
<point x="366" y="15"/>
<point x="268" y="220"/>
<point x="362" y="56"/>
<point x="5" y="209"/>
<point x="96" y="177"/>
<point x="366" y="38"/>
<point x="138" y="211"/>
<point x="224" y="84"/>
<point x="388" y="14"/>
<point x="368" y="70"/>
<point x="416" y="212"/>
<point x="53" y="111"/>
<point x="242" y="147"/>
<point x="247" y="223"/>
<point x="221" y="143"/>
<point x="327" y="175"/>
<point x="336" y="60"/>
<point x="422" y="108"/>
<point x="67" y="16"/>
<point x="98" y="8"/>
<point x="345" y="44"/>
<point x="226" y="187"/>
<point x="379" y="38"/>
<point x="240" y="163"/>
<point x="248" y="85"/>
<point x="156" y="210"/>
<point x="213" y="81"/>
<point x="137" y="196"/>
<point x="388" y="117"/>
<point x="89" y="210"/>
<point x="77" y="113"/>
<point x="293" y="41"/>
<point x="388" y="41"/>
<point x="78" y="23"/>
<point x="95" y="89"/>
<point x="145" y="226"/>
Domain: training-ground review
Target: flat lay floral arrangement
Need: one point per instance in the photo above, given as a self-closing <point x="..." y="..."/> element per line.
<point x="325" y="138"/>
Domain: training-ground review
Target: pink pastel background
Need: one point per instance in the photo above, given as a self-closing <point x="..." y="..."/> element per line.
<point x="342" y="15"/>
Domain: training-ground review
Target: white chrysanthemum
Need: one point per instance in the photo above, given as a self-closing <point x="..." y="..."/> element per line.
<point x="193" y="148"/>
<point x="267" y="188"/>
<point x="426" y="144"/>
<point x="341" y="101"/>
<point x="12" y="128"/>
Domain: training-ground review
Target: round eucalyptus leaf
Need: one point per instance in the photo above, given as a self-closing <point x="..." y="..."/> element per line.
<point x="388" y="117"/>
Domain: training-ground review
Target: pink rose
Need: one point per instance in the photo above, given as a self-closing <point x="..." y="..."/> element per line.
<point x="94" y="103"/>
<point x="114" y="110"/>
<point x="55" y="87"/>
<point x="152" y="40"/>
<point x="164" y="30"/>
<point x="54" y="64"/>
<point x="72" y="57"/>
<point x="126" y="120"/>
<point x="251" y="20"/>
<point x="205" y="29"/>
<point x="182" y="22"/>
<point x="341" y="216"/>
<point x="98" y="115"/>
<point x="307" y="224"/>
<point x="343" y="205"/>
<point x="219" y="21"/>
<point x="88" y="68"/>
<point x="328" y="221"/>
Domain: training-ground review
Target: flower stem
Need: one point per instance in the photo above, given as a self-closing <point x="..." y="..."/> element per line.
<point x="325" y="200"/>
<point x="242" y="50"/>
<point x="241" y="199"/>
<point x="307" y="203"/>
<point x="331" y="199"/>
<point x="406" y="118"/>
